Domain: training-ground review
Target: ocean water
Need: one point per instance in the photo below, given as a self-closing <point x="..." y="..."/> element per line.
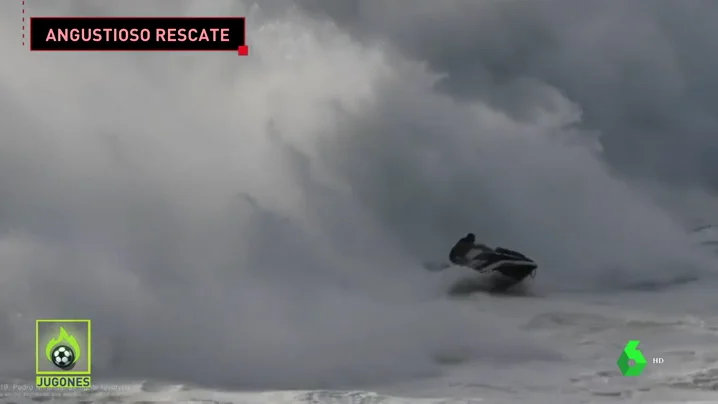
<point x="255" y="229"/>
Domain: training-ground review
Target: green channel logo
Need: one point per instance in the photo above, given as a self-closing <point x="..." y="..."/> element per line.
<point x="63" y="353"/>
<point x="631" y="354"/>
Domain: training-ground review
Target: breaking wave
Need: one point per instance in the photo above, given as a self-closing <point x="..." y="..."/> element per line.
<point x="261" y="222"/>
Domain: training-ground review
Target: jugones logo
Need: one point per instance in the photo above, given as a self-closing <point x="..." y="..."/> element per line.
<point x="63" y="353"/>
<point x="632" y="362"/>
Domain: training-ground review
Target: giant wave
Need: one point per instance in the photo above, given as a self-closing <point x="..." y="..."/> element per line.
<point x="260" y="223"/>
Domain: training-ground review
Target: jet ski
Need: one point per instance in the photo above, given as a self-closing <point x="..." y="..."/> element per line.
<point x="503" y="267"/>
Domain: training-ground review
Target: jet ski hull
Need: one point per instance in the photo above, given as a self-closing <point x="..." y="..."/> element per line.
<point x="503" y="268"/>
<point x="509" y="274"/>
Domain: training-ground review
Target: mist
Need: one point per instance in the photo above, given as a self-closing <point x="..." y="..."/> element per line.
<point x="260" y="222"/>
<point x="642" y="72"/>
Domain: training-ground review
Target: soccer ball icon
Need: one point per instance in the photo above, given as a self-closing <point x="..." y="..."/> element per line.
<point x="63" y="357"/>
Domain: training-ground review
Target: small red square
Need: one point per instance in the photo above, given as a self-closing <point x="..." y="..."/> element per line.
<point x="243" y="50"/>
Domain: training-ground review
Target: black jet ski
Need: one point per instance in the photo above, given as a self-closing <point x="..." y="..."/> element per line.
<point x="503" y="267"/>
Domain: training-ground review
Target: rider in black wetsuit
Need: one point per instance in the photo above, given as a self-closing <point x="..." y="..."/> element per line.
<point x="463" y="247"/>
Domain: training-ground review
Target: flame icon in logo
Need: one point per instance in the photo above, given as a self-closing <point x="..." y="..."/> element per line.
<point x="63" y="338"/>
